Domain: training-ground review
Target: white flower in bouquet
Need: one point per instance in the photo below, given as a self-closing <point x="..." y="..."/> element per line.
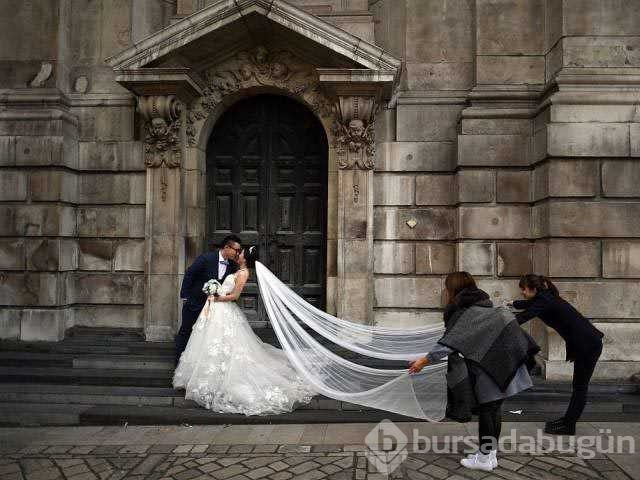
<point x="212" y="287"/>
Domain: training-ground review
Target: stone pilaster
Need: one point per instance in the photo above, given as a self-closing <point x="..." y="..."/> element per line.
<point x="354" y="150"/>
<point x="163" y="224"/>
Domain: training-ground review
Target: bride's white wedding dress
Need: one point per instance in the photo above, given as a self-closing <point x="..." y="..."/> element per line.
<point x="228" y="369"/>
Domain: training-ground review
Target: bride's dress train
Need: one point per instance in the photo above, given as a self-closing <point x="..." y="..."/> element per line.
<point x="228" y="369"/>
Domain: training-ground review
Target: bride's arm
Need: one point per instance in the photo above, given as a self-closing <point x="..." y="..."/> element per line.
<point x="241" y="280"/>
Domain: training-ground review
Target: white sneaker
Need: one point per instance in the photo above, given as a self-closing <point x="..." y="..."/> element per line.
<point x="494" y="458"/>
<point x="480" y="461"/>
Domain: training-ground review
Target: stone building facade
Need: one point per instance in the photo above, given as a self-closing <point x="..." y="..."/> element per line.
<point x="494" y="136"/>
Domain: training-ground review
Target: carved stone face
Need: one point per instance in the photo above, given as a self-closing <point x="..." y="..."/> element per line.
<point x="356" y="128"/>
<point x="261" y="55"/>
<point x="278" y="70"/>
<point x="158" y="126"/>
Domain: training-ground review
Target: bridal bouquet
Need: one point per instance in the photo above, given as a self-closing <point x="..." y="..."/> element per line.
<point x="211" y="287"/>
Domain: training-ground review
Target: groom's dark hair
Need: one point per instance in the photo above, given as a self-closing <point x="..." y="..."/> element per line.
<point x="230" y="239"/>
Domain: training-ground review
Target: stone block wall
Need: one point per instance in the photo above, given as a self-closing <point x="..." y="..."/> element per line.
<point x="72" y="176"/>
<point x="533" y="171"/>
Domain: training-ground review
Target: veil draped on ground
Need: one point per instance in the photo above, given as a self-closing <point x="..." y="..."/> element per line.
<point x="421" y="395"/>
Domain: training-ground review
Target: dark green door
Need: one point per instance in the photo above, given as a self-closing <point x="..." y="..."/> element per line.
<point x="267" y="183"/>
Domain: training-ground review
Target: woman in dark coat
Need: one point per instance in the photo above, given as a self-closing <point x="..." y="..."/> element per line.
<point x="487" y="351"/>
<point x="583" y="341"/>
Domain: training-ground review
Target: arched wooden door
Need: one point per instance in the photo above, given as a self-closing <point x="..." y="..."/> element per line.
<point x="267" y="183"/>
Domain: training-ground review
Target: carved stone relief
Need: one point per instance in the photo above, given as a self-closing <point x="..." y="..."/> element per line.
<point x="258" y="67"/>
<point x="162" y="134"/>
<point x="353" y="132"/>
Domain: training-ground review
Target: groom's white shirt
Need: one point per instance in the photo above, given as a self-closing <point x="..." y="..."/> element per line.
<point x="222" y="267"/>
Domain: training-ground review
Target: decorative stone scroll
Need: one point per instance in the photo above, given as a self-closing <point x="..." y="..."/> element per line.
<point x="255" y="68"/>
<point x="353" y="132"/>
<point x="162" y="134"/>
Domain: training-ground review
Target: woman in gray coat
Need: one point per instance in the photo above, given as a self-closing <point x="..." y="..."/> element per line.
<point x="486" y="351"/>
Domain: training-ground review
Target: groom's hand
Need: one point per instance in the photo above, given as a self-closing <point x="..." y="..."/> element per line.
<point x="418" y="365"/>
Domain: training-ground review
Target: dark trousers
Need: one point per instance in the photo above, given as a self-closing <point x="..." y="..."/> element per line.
<point x="189" y="318"/>
<point x="489" y="425"/>
<point x="583" y="368"/>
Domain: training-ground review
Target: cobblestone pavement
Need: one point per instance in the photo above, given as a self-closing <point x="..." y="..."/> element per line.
<point x="275" y="462"/>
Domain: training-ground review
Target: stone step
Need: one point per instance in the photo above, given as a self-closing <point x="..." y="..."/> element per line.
<point x="18" y="414"/>
<point x="87" y="376"/>
<point x="531" y="402"/>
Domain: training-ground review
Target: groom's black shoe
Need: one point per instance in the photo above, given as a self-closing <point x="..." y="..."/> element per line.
<point x="564" y="428"/>
<point x="557" y="421"/>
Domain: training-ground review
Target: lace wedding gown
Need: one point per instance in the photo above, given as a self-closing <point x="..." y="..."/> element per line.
<point x="228" y="369"/>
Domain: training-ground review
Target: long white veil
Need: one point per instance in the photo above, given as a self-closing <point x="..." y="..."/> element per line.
<point x="421" y="395"/>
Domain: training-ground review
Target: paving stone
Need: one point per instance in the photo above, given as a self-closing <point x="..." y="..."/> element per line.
<point x="326" y="448"/>
<point x="277" y="466"/>
<point x="281" y="476"/>
<point x="265" y="448"/>
<point x="86" y="476"/>
<point x="226" y="461"/>
<point x="188" y="474"/>
<point x="32" y="449"/>
<point x="311" y="475"/>
<point x="539" y="474"/>
<point x="259" y="461"/>
<point x="183" y="449"/>
<point x="240" y="449"/>
<point x="435" y="471"/>
<point x="106" y="449"/>
<point x="45" y="474"/>
<point x="218" y="449"/>
<point x="229" y="472"/>
<point x="294" y="449"/>
<point x="259" y="473"/>
<point x="304" y="467"/>
<point x="329" y="469"/>
<point x="82" y="450"/>
<point x="162" y="448"/>
<point x="75" y="470"/>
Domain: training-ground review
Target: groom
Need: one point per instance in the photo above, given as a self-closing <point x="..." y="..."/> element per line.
<point x="212" y="265"/>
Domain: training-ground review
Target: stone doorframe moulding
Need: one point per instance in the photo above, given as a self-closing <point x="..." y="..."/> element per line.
<point x="180" y="107"/>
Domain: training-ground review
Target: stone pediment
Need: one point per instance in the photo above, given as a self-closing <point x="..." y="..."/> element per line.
<point x="176" y="55"/>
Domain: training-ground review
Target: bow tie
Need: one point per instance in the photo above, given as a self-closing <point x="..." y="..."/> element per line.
<point x="224" y="262"/>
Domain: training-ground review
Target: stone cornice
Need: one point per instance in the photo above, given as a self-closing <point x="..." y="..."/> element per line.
<point x="182" y="82"/>
<point x="225" y="12"/>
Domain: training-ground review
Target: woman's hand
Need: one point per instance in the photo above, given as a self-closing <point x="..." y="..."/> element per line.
<point x="418" y="365"/>
<point x="211" y="298"/>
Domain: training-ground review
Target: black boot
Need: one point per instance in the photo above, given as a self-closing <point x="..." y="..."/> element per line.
<point x="557" y="421"/>
<point x="564" y="428"/>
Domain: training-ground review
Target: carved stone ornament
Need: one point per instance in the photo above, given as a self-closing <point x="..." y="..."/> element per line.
<point x="258" y="67"/>
<point x="353" y="132"/>
<point x="162" y="134"/>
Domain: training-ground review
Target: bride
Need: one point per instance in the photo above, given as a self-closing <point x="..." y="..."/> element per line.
<point x="227" y="368"/>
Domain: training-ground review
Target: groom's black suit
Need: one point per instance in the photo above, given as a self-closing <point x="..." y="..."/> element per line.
<point x="203" y="269"/>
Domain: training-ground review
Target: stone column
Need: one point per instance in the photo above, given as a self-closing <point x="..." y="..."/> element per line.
<point x="164" y="211"/>
<point x="354" y="149"/>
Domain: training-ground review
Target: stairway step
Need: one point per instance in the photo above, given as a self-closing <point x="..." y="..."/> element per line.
<point x="84" y="376"/>
<point x="24" y="415"/>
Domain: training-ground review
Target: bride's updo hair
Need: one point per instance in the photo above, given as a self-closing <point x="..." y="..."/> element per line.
<point x="251" y="255"/>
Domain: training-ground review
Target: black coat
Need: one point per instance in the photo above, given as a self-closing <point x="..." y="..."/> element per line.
<point x="580" y="336"/>
<point x="203" y="269"/>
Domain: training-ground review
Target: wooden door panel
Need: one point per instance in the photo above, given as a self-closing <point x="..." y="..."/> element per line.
<point x="267" y="183"/>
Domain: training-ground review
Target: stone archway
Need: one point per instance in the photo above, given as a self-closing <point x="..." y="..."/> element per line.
<point x="184" y="80"/>
<point x="266" y="181"/>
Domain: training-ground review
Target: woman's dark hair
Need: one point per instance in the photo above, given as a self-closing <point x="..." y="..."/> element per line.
<point x="456" y="282"/>
<point x="538" y="282"/>
<point x="251" y="255"/>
